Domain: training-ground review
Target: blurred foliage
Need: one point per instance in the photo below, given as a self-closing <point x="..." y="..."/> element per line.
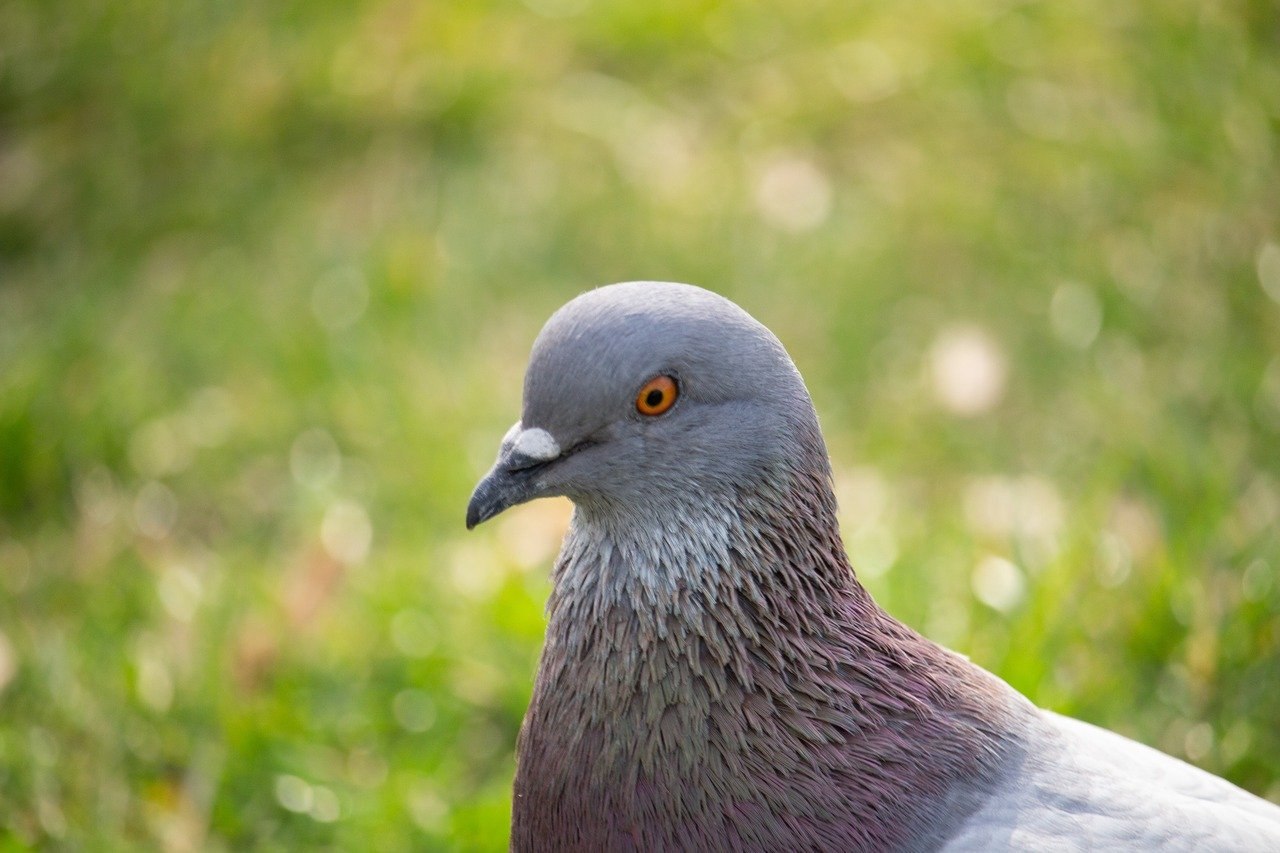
<point x="269" y="274"/>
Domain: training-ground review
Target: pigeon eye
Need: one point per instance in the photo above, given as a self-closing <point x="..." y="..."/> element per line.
<point x="657" y="395"/>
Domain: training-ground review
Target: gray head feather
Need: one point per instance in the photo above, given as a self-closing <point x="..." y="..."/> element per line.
<point x="743" y="413"/>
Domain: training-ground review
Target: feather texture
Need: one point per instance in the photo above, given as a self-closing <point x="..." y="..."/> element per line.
<point x="714" y="676"/>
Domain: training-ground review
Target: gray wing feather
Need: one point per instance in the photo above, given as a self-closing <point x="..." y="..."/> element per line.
<point x="1078" y="787"/>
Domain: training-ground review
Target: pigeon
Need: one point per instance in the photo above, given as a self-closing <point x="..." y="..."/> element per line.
<point x="714" y="677"/>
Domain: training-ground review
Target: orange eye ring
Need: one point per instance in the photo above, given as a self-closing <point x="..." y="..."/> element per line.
<point x="657" y="396"/>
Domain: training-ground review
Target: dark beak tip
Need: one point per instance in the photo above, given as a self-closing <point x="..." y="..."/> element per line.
<point x="487" y="500"/>
<point x="475" y="514"/>
<point x="509" y="482"/>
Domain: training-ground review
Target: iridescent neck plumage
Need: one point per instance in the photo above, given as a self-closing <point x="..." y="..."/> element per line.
<point x="727" y="674"/>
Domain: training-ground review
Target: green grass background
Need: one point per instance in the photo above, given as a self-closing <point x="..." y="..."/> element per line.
<point x="269" y="274"/>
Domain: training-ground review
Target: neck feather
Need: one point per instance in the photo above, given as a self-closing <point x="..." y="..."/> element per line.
<point x="727" y="682"/>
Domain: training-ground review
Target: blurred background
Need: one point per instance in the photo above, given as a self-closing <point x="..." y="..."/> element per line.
<point x="269" y="274"/>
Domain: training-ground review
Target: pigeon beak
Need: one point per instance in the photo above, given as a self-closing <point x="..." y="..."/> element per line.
<point x="503" y="487"/>
<point x="511" y="480"/>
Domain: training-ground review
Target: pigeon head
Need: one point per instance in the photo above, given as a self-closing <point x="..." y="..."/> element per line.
<point x="645" y="396"/>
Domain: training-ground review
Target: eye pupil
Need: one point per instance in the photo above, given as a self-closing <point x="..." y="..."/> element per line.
<point x="654" y="398"/>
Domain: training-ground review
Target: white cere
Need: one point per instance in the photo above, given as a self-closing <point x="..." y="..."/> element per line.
<point x="536" y="443"/>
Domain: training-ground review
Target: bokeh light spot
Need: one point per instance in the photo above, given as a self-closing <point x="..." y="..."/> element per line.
<point x="294" y="794"/>
<point x="1075" y="315"/>
<point x="1027" y="508"/>
<point x="426" y="807"/>
<point x="325" y="807"/>
<point x="414" y="710"/>
<point x="180" y="590"/>
<point x="8" y="662"/>
<point x="209" y="417"/>
<point x="155" y="510"/>
<point x="793" y="194"/>
<point x="1114" y="560"/>
<point x="346" y="532"/>
<point x="968" y="369"/>
<point x="158" y="448"/>
<point x="998" y="583"/>
<point x="475" y="572"/>
<point x="154" y="681"/>
<point x="314" y="459"/>
<point x="1269" y="270"/>
<point x="531" y="534"/>
<point x="366" y="768"/>
<point x="1198" y="741"/>
<point x="863" y="71"/>
<point x="872" y="549"/>
<point x="414" y="633"/>
<point x="1257" y="580"/>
